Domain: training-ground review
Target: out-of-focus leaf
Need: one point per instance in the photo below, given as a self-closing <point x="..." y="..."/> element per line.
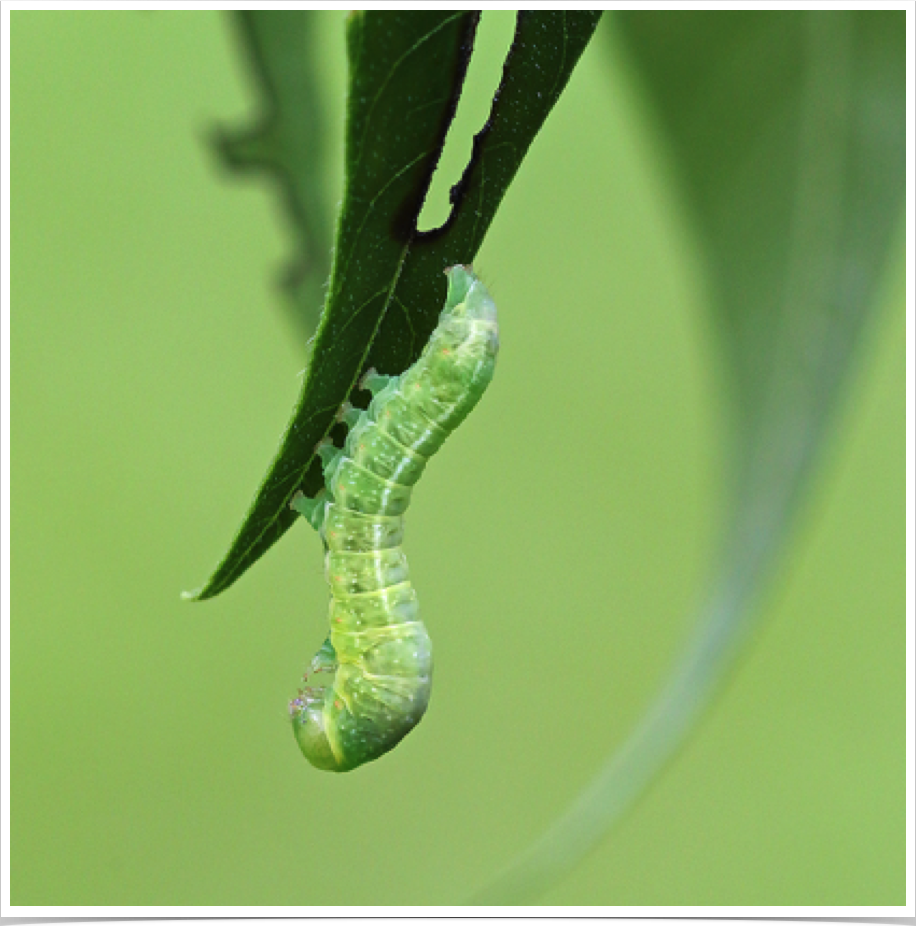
<point x="286" y="142"/>
<point x="387" y="284"/>
<point x="788" y="129"/>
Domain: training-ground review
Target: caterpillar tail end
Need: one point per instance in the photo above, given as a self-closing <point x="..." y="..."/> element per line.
<point x="460" y="280"/>
<point x="467" y="295"/>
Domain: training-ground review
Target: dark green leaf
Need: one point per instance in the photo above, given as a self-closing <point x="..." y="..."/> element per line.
<point x="788" y="129"/>
<point x="387" y="286"/>
<point x="286" y="142"/>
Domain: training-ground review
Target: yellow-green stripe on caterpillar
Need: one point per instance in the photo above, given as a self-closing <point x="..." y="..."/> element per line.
<point x="369" y="684"/>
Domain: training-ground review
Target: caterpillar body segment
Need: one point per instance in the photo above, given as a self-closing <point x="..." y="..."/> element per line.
<point x="369" y="684"/>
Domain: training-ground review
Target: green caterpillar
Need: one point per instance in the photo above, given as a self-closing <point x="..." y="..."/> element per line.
<point x="377" y="658"/>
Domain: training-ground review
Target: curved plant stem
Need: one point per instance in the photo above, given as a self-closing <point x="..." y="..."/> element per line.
<point x="777" y="442"/>
<point x="724" y="620"/>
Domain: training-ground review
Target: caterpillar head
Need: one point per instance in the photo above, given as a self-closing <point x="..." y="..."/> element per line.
<point x="334" y="740"/>
<point x="371" y="696"/>
<point x="308" y="716"/>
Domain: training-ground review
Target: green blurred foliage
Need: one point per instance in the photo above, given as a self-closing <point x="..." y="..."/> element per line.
<point x="786" y="135"/>
<point x="288" y="132"/>
<point x="151" y="760"/>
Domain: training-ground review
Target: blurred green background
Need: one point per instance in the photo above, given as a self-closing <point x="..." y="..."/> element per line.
<point x="154" y="371"/>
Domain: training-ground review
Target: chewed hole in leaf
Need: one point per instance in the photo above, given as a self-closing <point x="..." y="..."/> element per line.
<point x="491" y="45"/>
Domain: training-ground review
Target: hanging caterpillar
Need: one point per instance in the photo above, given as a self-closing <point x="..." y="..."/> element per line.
<point x="374" y="671"/>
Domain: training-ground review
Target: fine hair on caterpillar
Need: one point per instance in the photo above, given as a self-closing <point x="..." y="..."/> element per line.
<point x="369" y="684"/>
